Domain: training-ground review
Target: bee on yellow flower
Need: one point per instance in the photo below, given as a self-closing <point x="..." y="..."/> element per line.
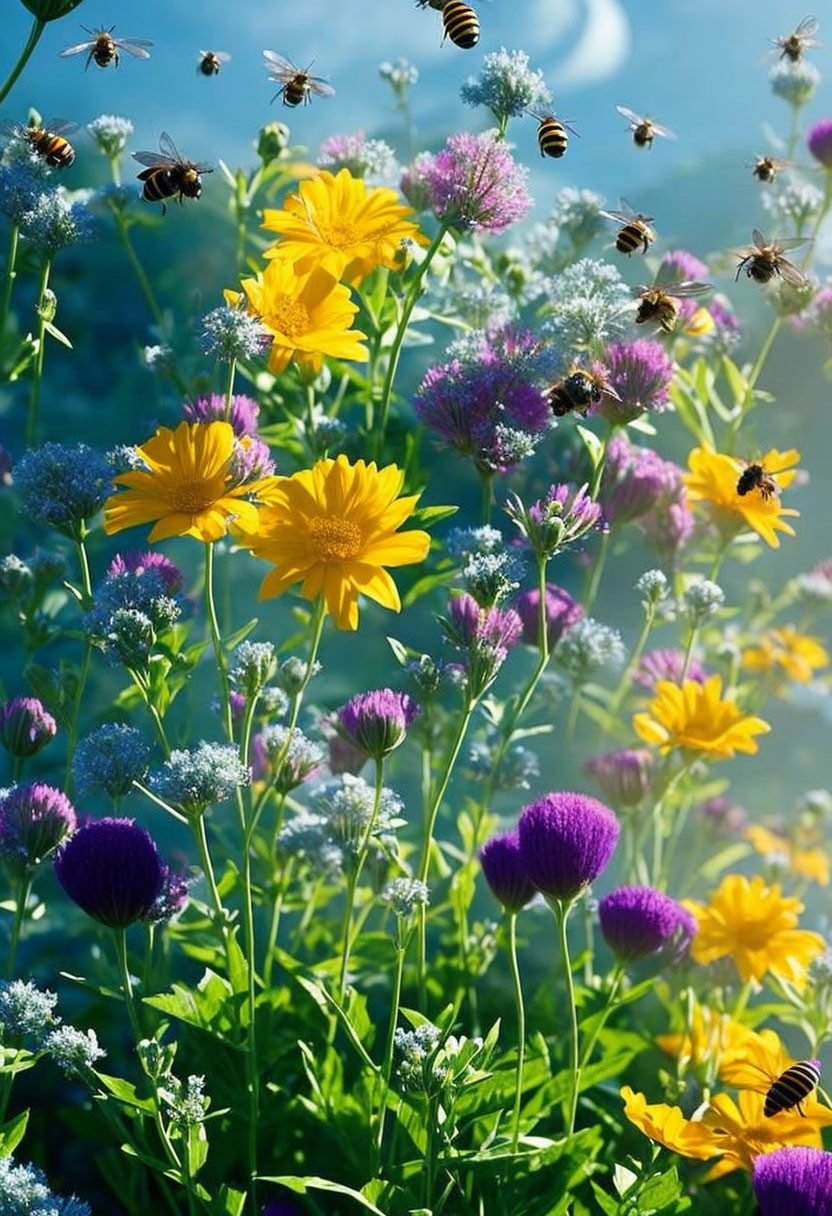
<point x="784" y="651"/>
<point x="696" y="718"/>
<point x="712" y="486"/>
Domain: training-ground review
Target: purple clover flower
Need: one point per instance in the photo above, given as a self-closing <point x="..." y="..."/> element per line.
<point x="34" y="820"/>
<point x="819" y="142"/>
<point x="25" y="726"/>
<point x="243" y="416"/>
<point x="377" y="722"/>
<point x="793" y="1181"/>
<point x="622" y="776"/>
<point x="638" y="922"/>
<point x="640" y="372"/>
<point x="551" y="523"/>
<point x="485" y="634"/>
<point x="686" y="265"/>
<point x="251" y="459"/>
<point x="168" y="573"/>
<point x="112" y="869"/>
<point x="635" y="479"/>
<point x="503" y="866"/>
<point x="665" y="664"/>
<point x="566" y="841"/>
<point x="562" y="612"/>
<point x="473" y="184"/>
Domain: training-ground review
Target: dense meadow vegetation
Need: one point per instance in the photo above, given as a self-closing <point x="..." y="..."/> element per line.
<point x="313" y="908"/>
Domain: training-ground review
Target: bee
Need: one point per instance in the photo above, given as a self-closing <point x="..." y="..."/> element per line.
<point x="762" y="262"/>
<point x="459" y="21"/>
<point x="210" y="62"/>
<point x="766" y="168"/>
<point x="791" y="1087"/>
<point x="635" y="229"/>
<point x="296" y="86"/>
<point x="579" y="390"/>
<point x="48" y="140"/>
<point x="644" y="130"/>
<point x="552" y="138"/>
<point x="755" y="477"/>
<point x="793" y="45"/>
<point x="104" y="48"/>
<point x="659" y="303"/>
<point x="169" y="174"/>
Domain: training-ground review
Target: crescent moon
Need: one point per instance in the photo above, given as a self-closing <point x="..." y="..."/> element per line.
<point x="602" y="48"/>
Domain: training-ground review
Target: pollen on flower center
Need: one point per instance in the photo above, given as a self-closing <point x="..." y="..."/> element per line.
<point x="339" y="235"/>
<point x="287" y="315"/>
<point x="191" y="495"/>
<point x="335" y="539"/>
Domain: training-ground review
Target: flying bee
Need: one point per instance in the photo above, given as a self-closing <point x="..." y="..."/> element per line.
<point x="761" y="262"/>
<point x="104" y="48"/>
<point x="48" y="140"/>
<point x="766" y="168"/>
<point x="635" y="230"/>
<point x="659" y="303"/>
<point x="793" y="45"/>
<point x="210" y="62"/>
<point x="791" y="1087"/>
<point x="296" y="86"/>
<point x="644" y="130"/>
<point x="169" y="174"/>
<point x="579" y="390"/>
<point x="755" y="477"/>
<point x="552" y="138"/>
<point x="459" y="21"/>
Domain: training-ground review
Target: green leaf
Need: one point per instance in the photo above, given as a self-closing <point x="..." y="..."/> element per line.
<point x="12" y="1133"/>
<point x="423" y="585"/>
<point x="240" y="634"/>
<point x="661" y="1191"/>
<point x="426" y="517"/>
<point x="229" y="1202"/>
<point x="400" y="651"/>
<point x="301" y="1185"/>
<point x="593" y="445"/>
<point x="55" y="333"/>
<point x="126" y="1093"/>
<point x="737" y="382"/>
<point x="607" y="1204"/>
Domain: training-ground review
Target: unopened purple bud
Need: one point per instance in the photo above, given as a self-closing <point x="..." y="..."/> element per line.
<point x="25" y="726"/>
<point x="819" y="141"/>
<point x="566" y="841"/>
<point x="793" y="1181"/>
<point x="623" y="776"/>
<point x="724" y="817"/>
<point x="377" y="722"/>
<point x="504" y="870"/>
<point x="562" y="612"/>
<point x="639" y="921"/>
<point x="34" y="820"/>
<point x="112" y="869"/>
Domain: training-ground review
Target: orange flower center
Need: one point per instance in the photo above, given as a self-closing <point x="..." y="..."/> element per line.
<point x="338" y="234"/>
<point x="335" y="539"/>
<point x="753" y="934"/>
<point x="288" y="315"/>
<point x="192" y="495"/>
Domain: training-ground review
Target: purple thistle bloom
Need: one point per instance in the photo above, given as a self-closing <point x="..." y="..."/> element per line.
<point x="723" y="318"/>
<point x="686" y="265"/>
<point x="793" y="1181"/>
<point x="566" y="841"/>
<point x="343" y="756"/>
<point x="665" y="664"/>
<point x="558" y="520"/>
<point x="562" y="612"/>
<point x="169" y="574"/>
<point x="34" y="820"/>
<point x="243" y="417"/>
<point x="667" y="526"/>
<point x="25" y="726"/>
<point x="819" y="142"/>
<point x="172" y="897"/>
<point x="377" y="722"/>
<point x="639" y="921"/>
<point x="473" y="183"/>
<point x="640" y="372"/>
<point x="504" y="870"/>
<point x="251" y="459"/>
<point x="485" y="634"/>
<point x="112" y="869"/>
<point x="635" y="479"/>
<point x="623" y="776"/>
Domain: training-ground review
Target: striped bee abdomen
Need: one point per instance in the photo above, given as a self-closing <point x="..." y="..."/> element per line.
<point x="792" y="1086"/>
<point x="462" y="25"/>
<point x="552" y="138"/>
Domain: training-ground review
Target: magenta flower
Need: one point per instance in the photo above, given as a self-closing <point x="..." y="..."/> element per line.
<point x="560" y="519"/>
<point x="724" y="817"/>
<point x="641" y="373"/>
<point x="485" y="635"/>
<point x="566" y="841"/>
<point x="376" y="723"/>
<point x="793" y="1181"/>
<point x="623" y="776"/>
<point x="112" y="869"/>
<point x="665" y="664"/>
<point x="502" y="865"/>
<point x="638" y="922"/>
<point x="243" y="416"/>
<point x="34" y="820"/>
<point x="686" y="265"/>
<point x="473" y="184"/>
<point x="25" y="726"/>
<point x="635" y="479"/>
<point x="562" y="612"/>
<point x="168" y="573"/>
<point x="819" y="142"/>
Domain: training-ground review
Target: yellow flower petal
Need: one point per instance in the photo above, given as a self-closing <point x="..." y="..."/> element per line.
<point x="712" y="485"/>
<point x="696" y="718"/>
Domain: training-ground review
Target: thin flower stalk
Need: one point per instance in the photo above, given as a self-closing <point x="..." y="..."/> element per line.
<point x="521" y="1029"/>
<point x="37" y="368"/>
<point x="86" y="653"/>
<point x="21" y="902"/>
<point x="35" y="32"/>
<point x="562" y="910"/>
<point x="354" y="878"/>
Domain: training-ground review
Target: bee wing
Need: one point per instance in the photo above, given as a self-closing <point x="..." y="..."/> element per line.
<point x="792" y="242"/>
<point x="572" y="129"/>
<point x="222" y="56"/>
<point x="134" y="46"/>
<point x="790" y="272"/>
<point x="203" y="167"/>
<point x="688" y="288"/>
<point x="618" y="216"/>
<point x="807" y="27"/>
<point x="168" y="147"/>
<point x="78" y="49"/>
<point x="758" y="238"/>
<point x="59" y="126"/>
<point x="630" y="115"/>
<point x="153" y="160"/>
<point x="317" y="85"/>
<point x="658" y="129"/>
<point x="279" y="63"/>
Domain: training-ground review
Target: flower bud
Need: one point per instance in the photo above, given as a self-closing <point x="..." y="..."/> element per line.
<point x="25" y="726"/>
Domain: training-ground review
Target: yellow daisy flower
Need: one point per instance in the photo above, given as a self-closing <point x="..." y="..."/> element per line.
<point x="702" y="1046"/>
<point x="341" y="225"/>
<point x="756" y="926"/>
<point x="797" y="655"/>
<point x="309" y="315"/>
<point x="699" y="324"/>
<point x="737" y="1132"/>
<point x="333" y="528"/>
<point x="696" y="718"/>
<point x="712" y="482"/>
<point x="188" y="488"/>
<point x="806" y="861"/>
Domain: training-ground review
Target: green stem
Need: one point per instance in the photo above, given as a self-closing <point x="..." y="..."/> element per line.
<point x="221" y="916"/>
<point x="596" y="572"/>
<point x="387" y="1065"/>
<point x="120" y="938"/>
<point x="561" y="910"/>
<point x="589" y="1045"/>
<point x="574" y="712"/>
<point x="19" y="917"/>
<point x="355" y="877"/>
<point x="37" y="29"/>
<point x="216" y="640"/>
<point x="138" y="269"/>
<point x="487" y="483"/>
<point x="274" y="925"/>
<point x="617" y="699"/>
<point x="229" y="389"/>
<point x="37" y="370"/>
<point x="86" y="587"/>
<point x="414" y="291"/>
<point x="521" y="1029"/>
<point x="9" y="277"/>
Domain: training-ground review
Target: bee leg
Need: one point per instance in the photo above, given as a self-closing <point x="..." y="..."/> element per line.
<point x="89" y="61"/>
<point x="801" y="1111"/>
